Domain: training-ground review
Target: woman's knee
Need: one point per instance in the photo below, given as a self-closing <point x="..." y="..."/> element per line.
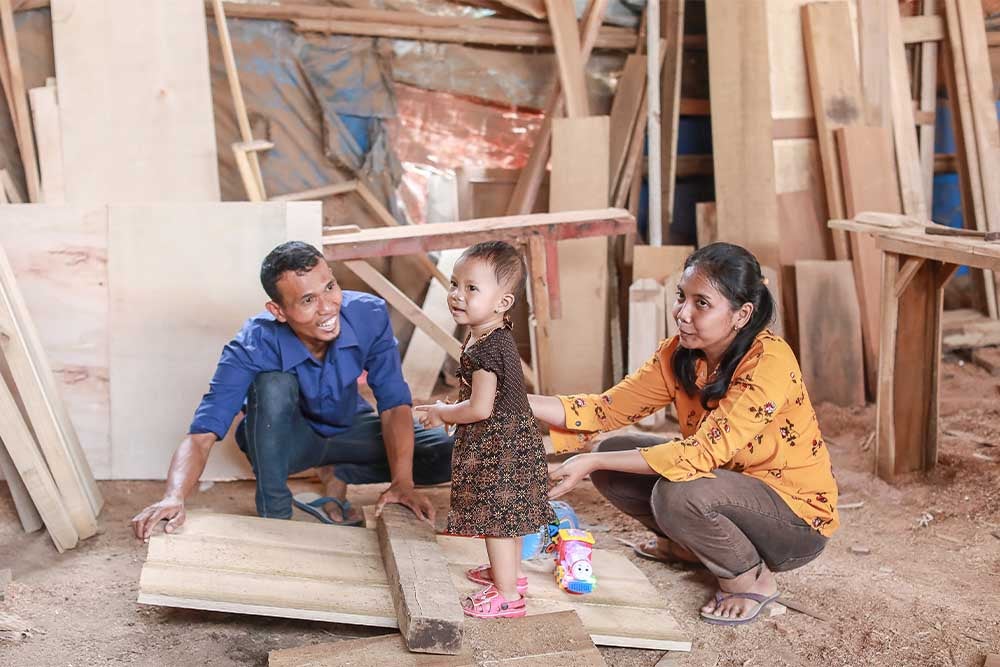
<point x="627" y="441"/>
<point x="676" y="505"/>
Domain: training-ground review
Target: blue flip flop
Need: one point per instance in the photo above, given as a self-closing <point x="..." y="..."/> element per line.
<point x="312" y="503"/>
<point x="761" y="600"/>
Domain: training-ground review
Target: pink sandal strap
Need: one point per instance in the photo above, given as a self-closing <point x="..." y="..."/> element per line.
<point x="489" y="603"/>
<point x="483" y="574"/>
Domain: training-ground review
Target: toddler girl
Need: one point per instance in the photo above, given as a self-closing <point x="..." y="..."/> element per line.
<point x="499" y="477"/>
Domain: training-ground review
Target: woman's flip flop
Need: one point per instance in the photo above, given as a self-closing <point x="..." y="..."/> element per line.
<point x="761" y="600"/>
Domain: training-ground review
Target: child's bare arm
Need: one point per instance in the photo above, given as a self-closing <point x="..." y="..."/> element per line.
<point x="477" y="408"/>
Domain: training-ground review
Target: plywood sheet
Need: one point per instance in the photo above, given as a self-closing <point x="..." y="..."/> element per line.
<point x="135" y="102"/>
<point x="59" y="257"/>
<point x="829" y="321"/>
<point x="579" y="180"/>
<point x="291" y="569"/>
<point x="658" y="262"/>
<point x="204" y="274"/>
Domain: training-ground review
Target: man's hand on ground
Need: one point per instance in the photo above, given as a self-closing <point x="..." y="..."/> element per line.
<point x="418" y="503"/>
<point x="170" y="510"/>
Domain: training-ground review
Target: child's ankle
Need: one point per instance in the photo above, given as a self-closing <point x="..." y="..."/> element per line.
<point x="511" y="595"/>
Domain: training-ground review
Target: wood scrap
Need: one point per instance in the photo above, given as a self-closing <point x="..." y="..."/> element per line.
<point x="557" y="639"/>
<point x="829" y="323"/>
<point x="427" y="604"/>
<point x="21" y="117"/>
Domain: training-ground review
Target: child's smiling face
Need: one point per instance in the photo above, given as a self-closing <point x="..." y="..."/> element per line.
<point x="476" y="298"/>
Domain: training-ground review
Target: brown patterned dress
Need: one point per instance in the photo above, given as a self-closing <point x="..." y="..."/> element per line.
<point x="499" y="479"/>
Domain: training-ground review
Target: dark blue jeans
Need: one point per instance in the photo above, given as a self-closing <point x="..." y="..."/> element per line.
<point x="279" y="442"/>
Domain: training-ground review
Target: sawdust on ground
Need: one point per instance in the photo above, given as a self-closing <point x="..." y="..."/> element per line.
<point x="928" y="593"/>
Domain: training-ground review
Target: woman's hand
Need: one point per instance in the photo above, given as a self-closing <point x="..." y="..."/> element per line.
<point x="571" y="473"/>
<point x="431" y="417"/>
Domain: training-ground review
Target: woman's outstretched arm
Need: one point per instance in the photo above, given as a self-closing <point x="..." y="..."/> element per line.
<point x="572" y="472"/>
<point x="548" y="409"/>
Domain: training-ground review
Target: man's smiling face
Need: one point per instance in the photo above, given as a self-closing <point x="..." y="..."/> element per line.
<point x="310" y="305"/>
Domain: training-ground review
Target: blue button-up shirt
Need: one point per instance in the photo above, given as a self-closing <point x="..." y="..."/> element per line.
<point x="328" y="389"/>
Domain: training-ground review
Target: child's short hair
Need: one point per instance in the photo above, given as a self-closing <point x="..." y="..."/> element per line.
<point x="505" y="261"/>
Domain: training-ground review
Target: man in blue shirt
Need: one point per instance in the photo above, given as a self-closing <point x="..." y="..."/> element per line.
<point x="297" y="368"/>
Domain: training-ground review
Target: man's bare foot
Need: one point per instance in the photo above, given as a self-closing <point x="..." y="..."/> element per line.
<point x="335" y="488"/>
<point x="763" y="583"/>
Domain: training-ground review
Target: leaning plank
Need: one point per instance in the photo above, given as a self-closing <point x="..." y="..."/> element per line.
<point x="572" y="76"/>
<point x="659" y="262"/>
<point x="26" y="510"/>
<point x="672" y="33"/>
<point x="409" y="239"/>
<point x="829" y="332"/>
<point x="869" y="185"/>
<point x="22" y="118"/>
<point x="31" y="466"/>
<point x="911" y="184"/>
<point x="646" y="329"/>
<point x="554" y="640"/>
<point x="45" y="115"/>
<point x="927" y="90"/>
<point x="740" y="87"/>
<point x="398" y="300"/>
<point x="836" y="92"/>
<point x="625" y="112"/>
<point x="35" y="385"/>
<point x="427" y="604"/>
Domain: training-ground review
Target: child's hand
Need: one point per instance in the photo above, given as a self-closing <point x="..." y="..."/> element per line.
<point x="431" y="417"/>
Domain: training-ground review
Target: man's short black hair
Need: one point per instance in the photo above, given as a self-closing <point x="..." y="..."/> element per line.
<point x="294" y="256"/>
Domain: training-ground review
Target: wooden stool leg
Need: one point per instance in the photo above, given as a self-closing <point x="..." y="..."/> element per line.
<point x="885" y="442"/>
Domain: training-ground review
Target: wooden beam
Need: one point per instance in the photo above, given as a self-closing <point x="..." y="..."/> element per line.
<point x="906" y="273"/>
<point x="540" y="311"/>
<point x="654" y="213"/>
<point x="27" y="513"/>
<point x="319" y="193"/>
<point x="533" y="8"/>
<point x="427" y="605"/>
<point x="410" y="239"/>
<point x="22" y="117"/>
<point x="672" y="32"/>
<point x="522" y="201"/>
<point x="911" y="184"/>
<point x="233" y="77"/>
<point x="572" y="75"/>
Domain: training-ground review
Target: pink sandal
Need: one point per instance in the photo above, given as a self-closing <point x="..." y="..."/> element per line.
<point x="483" y="574"/>
<point x="489" y="603"/>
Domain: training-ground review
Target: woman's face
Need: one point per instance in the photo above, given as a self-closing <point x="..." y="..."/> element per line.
<point x="705" y="318"/>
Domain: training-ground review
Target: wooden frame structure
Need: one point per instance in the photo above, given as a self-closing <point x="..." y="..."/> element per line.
<point x="915" y="267"/>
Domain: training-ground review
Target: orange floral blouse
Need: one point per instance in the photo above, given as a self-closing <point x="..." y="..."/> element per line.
<point x="764" y="426"/>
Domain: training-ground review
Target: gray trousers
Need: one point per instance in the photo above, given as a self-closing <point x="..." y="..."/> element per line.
<point x="732" y="523"/>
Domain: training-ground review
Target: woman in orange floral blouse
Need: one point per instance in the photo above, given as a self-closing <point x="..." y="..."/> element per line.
<point x="749" y="488"/>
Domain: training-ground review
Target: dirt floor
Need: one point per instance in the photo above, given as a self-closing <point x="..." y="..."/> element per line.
<point x="928" y="593"/>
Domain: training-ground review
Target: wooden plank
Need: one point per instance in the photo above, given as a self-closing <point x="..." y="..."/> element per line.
<point x="526" y="192"/>
<point x="547" y="639"/>
<point x="885" y="423"/>
<point x="409" y="239"/>
<point x="11" y="193"/>
<point x="836" y="93"/>
<point x="538" y="293"/>
<point x="398" y="300"/>
<point x="672" y="32"/>
<point x="803" y="234"/>
<point x="45" y="115"/>
<point x="625" y="112"/>
<point x="233" y="77"/>
<point x="706" y="223"/>
<point x="533" y="8"/>
<point x="927" y="85"/>
<point x="316" y="194"/>
<point x="659" y="262"/>
<point x="424" y="357"/>
<point x="27" y="513"/>
<point x="135" y="104"/>
<point x="911" y="185"/>
<point x="580" y="180"/>
<point x="20" y="444"/>
<point x="35" y="385"/>
<point x="22" y="118"/>
<point x="291" y="569"/>
<point x="430" y="618"/>
<point x="654" y="214"/>
<point x="927" y="28"/>
<point x="59" y="257"/>
<point x="873" y="43"/>
<point x="572" y="75"/>
<point x="646" y="329"/>
<point x="739" y="82"/>
<point x="146" y="291"/>
<point x="829" y="323"/>
<point x="869" y="185"/>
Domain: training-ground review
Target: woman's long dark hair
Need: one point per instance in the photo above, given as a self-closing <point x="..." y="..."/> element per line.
<point x="736" y="274"/>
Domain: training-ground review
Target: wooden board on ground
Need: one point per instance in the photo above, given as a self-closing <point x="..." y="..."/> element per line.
<point x="744" y="162"/>
<point x="152" y="291"/>
<point x="869" y="185"/>
<point x="829" y="321"/>
<point x="291" y="569"/>
<point x="546" y="640"/>
<point x="427" y="605"/>
<point x="135" y="104"/>
<point x="579" y="180"/>
<point x="646" y="329"/>
<point x="658" y="262"/>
